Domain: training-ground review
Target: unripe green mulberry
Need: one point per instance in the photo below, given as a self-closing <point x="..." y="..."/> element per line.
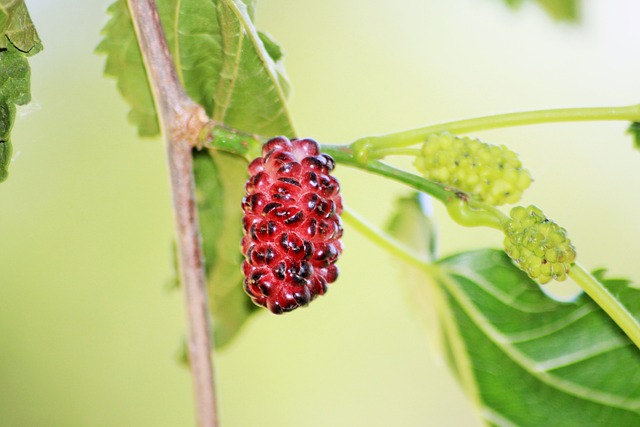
<point x="489" y="173"/>
<point x="538" y="245"/>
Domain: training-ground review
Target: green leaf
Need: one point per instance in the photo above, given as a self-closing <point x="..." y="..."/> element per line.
<point x="15" y="77"/>
<point x="5" y="158"/>
<point x="219" y="56"/>
<point x="220" y="181"/>
<point x="230" y="72"/>
<point x="124" y="63"/>
<point x="560" y="10"/>
<point x="634" y="131"/>
<point x="529" y="360"/>
<point x="17" y="28"/>
<point x="624" y="292"/>
<point x="410" y="225"/>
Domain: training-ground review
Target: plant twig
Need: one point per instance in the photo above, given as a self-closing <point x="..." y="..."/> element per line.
<point x="181" y="121"/>
<point x="367" y="146"/>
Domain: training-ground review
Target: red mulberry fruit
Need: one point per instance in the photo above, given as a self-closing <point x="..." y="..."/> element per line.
<point x="291" y="225"/>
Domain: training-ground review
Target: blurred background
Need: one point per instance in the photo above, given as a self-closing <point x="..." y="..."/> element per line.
<point x="89" y="331"/>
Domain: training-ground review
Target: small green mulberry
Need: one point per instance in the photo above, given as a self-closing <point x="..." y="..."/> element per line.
<point x="489" y="173"/>
<point x="538" y="245"/>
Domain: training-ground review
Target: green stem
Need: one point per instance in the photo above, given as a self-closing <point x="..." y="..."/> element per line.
<point x="469" y="213"/>
<point x="219" y="137"/>
<point x="383" y="240"/>
<point x="396" y="151"/>
<point x="608" y="302"/>
<point x="343" y="154"/>
<point x="416" y="136"/>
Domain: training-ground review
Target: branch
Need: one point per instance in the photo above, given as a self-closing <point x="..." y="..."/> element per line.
<point x="181" y="121"/>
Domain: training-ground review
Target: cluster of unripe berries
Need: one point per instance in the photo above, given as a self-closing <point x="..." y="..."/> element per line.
<point x="538" y="245"/>
<point x="489" y="173"/>
<point x="291" y="225"/>
<point x="494" y="175"/>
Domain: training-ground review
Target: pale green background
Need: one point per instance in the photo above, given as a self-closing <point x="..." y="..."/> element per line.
<point x="89" y="332"/>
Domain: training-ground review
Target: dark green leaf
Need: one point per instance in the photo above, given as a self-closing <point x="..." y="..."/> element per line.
<point x="17" y="28"/>
<point x="561" y="10"/>
<point x="634" y="131"/>
<point x="5" y="159"/>
<point x="529" y="360"/>
<point x="15" y="77"/>
<point x="7" y="116"/>
<point x="220" y="181"/>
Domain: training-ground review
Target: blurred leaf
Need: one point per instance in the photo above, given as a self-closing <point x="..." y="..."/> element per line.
<point x="560" y="10"/>
<point x="15" y="89"/>
<point x="530" y="360"/>
<point x="124" y="63"/>
<point x="220" y="181"/>
<point x="410" y="225"/>
<point x="272" y="48"/>
<point x="634" y="131"/>
<point x="17" y="28"/>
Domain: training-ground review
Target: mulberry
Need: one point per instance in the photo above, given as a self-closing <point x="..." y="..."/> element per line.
<point x="538" y="245"/>
<point x="292" y="225"/>
<point x="489" y="173"/>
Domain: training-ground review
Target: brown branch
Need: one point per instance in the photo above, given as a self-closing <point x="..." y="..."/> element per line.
<point x="181" y="121"/>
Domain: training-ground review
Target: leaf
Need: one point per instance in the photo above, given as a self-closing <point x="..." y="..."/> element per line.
<point x="124" y="63"/>
<point x="628" y="296"/>
<point x="17" y="28"/>
<point x="15" y="89"/>
<point x="5" y="158"/>
<point x="249" y="94"/>
<point x="410" y="224"/>
<point x="560" y="10"/>
<point x="634" y="131"/>
<point x="14" y="77"/>
<point x="530" y="360"/>
<point x="220" y="181"/>
<point x="219" y="57"/>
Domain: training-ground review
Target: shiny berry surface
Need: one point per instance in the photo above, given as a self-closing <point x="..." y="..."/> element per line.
<point x="292" y="225"/>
